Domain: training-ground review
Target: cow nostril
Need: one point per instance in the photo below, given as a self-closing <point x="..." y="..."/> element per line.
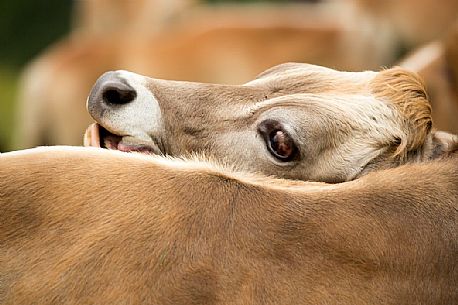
<point x="114" y="95"/>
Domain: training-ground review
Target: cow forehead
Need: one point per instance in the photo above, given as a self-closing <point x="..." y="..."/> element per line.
<point x="294" y="73"/>
<point x="298" y="77"/>
<point x="291" y="68"/>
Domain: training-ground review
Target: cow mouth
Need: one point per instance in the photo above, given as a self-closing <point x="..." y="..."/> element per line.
<point x="97" y="136"/>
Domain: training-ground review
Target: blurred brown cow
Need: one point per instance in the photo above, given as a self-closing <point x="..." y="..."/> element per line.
<point x="104" y="16"/>
<point x="411" y="22"/>
<point x="437" y="63"/>
<point x="185" y="40"/>
<point x="209" y="44"/>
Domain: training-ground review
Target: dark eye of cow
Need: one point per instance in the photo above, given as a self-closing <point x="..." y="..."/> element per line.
<point x="279" y="143"/>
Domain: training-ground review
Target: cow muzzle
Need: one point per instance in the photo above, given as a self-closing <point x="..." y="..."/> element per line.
<point x="128" y="115"/>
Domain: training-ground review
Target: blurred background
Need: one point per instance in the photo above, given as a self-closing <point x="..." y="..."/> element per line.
<point x="52" y="51"/>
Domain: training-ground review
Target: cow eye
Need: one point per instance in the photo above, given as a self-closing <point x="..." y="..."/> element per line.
<point x="278" y="141"/>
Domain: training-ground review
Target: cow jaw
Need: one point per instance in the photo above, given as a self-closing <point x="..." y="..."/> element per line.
<point x="98" y="136"/>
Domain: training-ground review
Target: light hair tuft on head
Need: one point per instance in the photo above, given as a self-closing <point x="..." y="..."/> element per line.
<point x="406" y="91"/>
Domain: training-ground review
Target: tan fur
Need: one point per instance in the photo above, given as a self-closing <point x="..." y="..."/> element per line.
<point x="90" y="226"/>
<point x="406" y="91"/>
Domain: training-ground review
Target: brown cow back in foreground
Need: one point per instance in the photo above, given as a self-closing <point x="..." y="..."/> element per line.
<point x="90" y="226"/>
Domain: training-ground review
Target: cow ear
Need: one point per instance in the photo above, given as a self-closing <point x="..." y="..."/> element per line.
<point x="406" y="92"/>
<point x="443" y="144"/>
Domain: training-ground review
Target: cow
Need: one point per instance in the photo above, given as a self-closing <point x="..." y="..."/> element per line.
<point x="295" y="121"/>
<point x="92" y="226"/>
<point x="85" y="225"/>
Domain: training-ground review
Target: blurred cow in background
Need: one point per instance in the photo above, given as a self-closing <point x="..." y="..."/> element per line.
<point x="437" y="63"/>
<point x="411" y="22"/>
<point x="188" y="40"/>
<point x="105" y="16"/>
<point x="207" y="44"/>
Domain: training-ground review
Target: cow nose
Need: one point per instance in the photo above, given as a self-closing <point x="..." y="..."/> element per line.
<point x="118" y="93"/>
<point x="110" y="90"/>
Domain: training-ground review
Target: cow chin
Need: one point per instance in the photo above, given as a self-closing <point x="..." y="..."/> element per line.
<point x="97" y="136"/>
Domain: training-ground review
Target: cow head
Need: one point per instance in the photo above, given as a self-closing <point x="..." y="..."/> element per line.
<point x="295" y="121"/>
